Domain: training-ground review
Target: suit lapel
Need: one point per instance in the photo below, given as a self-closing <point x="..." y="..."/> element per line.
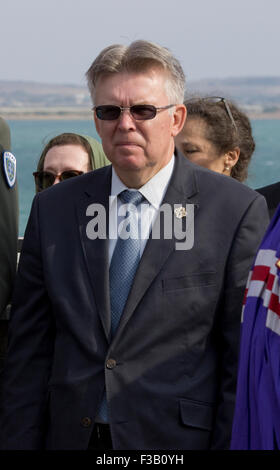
<point x="182" y="190"/>
<point x="96" y="251"/>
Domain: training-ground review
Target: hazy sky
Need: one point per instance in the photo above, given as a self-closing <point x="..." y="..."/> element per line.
<point x="56" y="40"/>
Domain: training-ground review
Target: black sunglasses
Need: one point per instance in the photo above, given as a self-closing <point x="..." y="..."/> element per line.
<point x="45" y="179"/>
<point x="140" y="112"/>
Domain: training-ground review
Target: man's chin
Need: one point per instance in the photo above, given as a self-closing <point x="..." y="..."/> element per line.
<point x="129" y="162"/>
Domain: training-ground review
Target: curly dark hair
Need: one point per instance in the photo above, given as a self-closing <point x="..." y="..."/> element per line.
<point x="222" y="133"/>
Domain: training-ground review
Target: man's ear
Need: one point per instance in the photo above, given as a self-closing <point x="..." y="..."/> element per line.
<point x="179" y="118"/>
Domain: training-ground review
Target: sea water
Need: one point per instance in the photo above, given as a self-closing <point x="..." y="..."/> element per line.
<point x="30" y="137"/>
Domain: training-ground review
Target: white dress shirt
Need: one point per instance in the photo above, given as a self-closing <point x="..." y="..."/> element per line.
<point x="153" y="191"/>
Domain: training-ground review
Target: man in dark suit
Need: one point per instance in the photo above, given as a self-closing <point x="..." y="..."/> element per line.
<point x="8" y="230"/>
<point x="125" y="342"/>
<point x="272" y="196"/>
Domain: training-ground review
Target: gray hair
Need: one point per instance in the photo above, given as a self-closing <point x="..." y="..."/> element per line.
<point x="138" y="57"/>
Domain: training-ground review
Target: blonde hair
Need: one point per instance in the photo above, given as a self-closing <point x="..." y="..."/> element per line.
<point x="138" y="57"/>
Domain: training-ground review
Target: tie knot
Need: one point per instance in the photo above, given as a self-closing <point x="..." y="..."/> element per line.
<point x="131" y="197"/>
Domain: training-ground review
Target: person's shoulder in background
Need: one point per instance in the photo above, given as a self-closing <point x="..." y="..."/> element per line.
<point x="272" y="196"/>
<point x="8" y="230"/>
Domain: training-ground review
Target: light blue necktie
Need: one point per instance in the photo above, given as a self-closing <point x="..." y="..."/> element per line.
<point x="125" y="259"/>
<point x="123" y="267"/>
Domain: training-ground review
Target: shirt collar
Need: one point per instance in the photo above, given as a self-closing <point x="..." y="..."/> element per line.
<point x="154" y="190"/>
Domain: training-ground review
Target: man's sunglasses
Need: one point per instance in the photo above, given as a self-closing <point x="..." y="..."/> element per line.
<point x="45" y="179"/>
<point x="139" y="112"/>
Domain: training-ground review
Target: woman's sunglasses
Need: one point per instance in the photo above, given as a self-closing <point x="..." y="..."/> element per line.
<point x="139" y="112"/>
<point x="45" y="179"/>
<point x="218" y="99"/>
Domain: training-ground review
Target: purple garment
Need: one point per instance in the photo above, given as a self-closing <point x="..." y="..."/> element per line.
<point x="256" y="423"/>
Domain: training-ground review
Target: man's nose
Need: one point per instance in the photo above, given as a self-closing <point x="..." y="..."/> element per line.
<point x="126" y="121"/>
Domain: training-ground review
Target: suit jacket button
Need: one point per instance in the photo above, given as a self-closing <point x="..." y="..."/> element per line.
<point x="111" y="363"/>
<point x="86" y="422"/>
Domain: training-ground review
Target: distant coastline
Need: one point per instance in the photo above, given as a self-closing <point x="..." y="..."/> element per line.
<point x="33" y="114"/>
<point x="259" y="97"/>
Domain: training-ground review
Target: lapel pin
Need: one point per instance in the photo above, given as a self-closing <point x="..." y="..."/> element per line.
<point x="180" y="212"/>
<point x="277" y="264"/>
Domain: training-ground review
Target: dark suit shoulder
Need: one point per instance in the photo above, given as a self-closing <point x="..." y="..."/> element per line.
<point x="215" y="185"/>
<point x="271" y="188"/>
<point x="271" y="192"/>
<point x="272" y="195"/>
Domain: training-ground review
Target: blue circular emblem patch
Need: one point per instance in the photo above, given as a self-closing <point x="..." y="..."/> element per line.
<point x="10" y="168"/>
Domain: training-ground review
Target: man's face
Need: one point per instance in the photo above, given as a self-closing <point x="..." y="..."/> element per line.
<point x="137" y="149"/>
